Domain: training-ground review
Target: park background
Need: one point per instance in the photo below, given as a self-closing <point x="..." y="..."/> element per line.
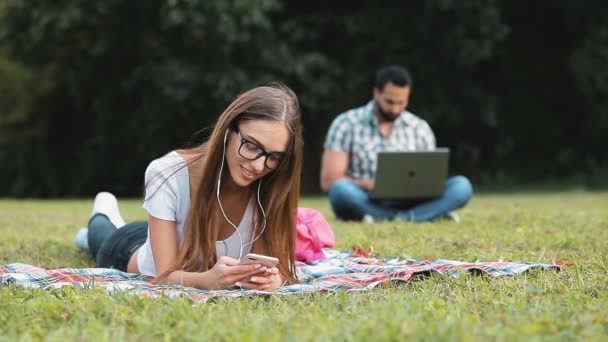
<point x="92" y="91"/>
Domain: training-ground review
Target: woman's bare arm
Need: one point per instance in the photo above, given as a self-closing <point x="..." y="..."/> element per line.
<point x="163" y="239"/>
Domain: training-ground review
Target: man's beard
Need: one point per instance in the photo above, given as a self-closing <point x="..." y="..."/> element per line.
<point x="386" y="116"/>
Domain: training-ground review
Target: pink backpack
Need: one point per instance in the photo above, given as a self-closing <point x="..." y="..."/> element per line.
<point x="313" y="234"/>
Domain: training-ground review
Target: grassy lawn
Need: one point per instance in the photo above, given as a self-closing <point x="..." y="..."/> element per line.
<point x="572" y="226"/>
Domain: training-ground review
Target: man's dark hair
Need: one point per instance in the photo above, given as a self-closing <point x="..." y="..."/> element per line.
<point x="395" y="74"/>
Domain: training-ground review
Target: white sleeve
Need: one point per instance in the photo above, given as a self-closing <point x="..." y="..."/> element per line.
<point x="426" y="138"/>
<point x="161" y="191"/>
<point x="340" y="135"/>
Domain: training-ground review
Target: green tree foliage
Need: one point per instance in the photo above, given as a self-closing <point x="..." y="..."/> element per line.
<point x="132" y="80"/>
<point x="21" y="146"/>
<point x="92" y="91"/>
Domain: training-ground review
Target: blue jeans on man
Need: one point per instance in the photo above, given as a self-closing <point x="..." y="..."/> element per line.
<point x="350" y="202"/>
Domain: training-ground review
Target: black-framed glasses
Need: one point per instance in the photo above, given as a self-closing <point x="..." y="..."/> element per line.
<point x="252" y="151"/>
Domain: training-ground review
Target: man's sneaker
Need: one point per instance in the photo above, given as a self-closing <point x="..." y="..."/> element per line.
<point x="367" y="218"/>
<point x="106" y="203"/>
<point x="452" y="216"/>
<point x="81" y="240"/>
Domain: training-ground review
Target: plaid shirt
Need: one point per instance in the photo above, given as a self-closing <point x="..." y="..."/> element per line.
<point x="357" y="132"/>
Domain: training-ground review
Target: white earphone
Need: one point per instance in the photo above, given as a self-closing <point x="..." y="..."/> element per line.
<point x="217" y="193"/>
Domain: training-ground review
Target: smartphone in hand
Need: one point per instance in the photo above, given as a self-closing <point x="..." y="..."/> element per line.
<point x="264" y="260"/>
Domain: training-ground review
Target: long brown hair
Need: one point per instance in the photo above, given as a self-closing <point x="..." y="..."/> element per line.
<point x="279" y="192"/>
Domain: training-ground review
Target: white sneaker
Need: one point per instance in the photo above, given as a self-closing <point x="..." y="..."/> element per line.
<point x="81" y="240"/>
<point x="368" y="218"/>
<point x="107" y="204"/>
<point x="453" y="216"/>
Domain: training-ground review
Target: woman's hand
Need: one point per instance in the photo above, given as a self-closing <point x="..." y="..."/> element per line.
<point x="266" y="281"/>
<point x="227" y="272"/>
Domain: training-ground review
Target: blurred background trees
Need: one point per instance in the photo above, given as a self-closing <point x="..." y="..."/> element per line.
<point x="91" y="92"/>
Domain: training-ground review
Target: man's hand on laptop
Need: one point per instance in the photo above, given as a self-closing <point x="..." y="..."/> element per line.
<point x="366" y="184"/>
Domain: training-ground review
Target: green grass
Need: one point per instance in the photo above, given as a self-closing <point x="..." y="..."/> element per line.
<point x="541" y="305"/>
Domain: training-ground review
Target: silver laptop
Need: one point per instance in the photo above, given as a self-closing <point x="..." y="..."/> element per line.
<point x="411" y="175"/>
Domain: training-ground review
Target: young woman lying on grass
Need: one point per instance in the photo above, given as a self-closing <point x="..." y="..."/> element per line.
<point x="210" y="205"/>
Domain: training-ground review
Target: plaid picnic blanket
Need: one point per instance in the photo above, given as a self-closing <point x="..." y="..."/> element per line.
<point x="341" y="271"/>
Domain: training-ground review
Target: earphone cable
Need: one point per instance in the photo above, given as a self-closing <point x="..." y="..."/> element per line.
<point x="219" y="182"/>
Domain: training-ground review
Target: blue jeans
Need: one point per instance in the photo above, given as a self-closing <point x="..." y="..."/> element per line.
<point x="350" y="202"/>
<point x="111" y="247"/>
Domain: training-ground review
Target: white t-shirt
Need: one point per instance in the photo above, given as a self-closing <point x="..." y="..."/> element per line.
<point x="168" y="198"/>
